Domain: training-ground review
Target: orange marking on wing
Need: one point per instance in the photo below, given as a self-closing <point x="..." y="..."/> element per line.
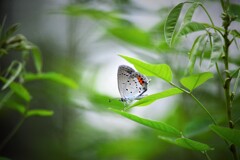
<point x="140" y="80"/>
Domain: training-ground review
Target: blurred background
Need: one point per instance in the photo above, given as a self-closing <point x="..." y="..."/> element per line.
<point x="82" y="39"/>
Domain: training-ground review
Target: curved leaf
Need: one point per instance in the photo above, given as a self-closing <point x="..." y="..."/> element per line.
<point x="163" y="127"/>
<point x="196" y="80"/>
<point x="198" y="48"/>
<point x="20" y="90"/>
<point x="217" y="48"/>
<point x="171" y="23"/>
<point x="151" y="98"/>
<point x="231" y="135"/>
<point x="56" y="77"/>
<point x="162" y="71"/>
<point x="37" y="59"/>
<point x="191" y="27"/>
<point x="189" y="14"/>
<point x="187" y="143"/>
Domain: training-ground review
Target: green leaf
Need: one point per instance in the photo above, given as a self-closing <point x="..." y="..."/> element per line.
<point x="189" y="14"/>
<point x="4" y="158"/>
<point x="12" y="29"/>
<point x="193" y="81"/>
<point x="187" y="143"/>
<point x="171" y="23"/>
<point x="132" y="35"/>
<point x="191" y="27"/>
<point x="151" y="98"/>
<point x="37" y="59"/>
<point x="196" y="126"/>
<point x="16" y="106"/>
<point x="231" y="135"/>
<point x="235" y="33"/>
<point x="163" y="127"/>
<point x="15" y="73"/>
<point x="56" y="77"/>
<point x="20" y="90"/>
<point x="217" y="48"/>
<point x="234" y="10"/>
<point x="197" y="49"/>
<point x="162" y="71"/>
<point x="39" y="112"/>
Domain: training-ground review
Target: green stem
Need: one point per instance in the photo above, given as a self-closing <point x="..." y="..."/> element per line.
<point x="200" y="104"/>
<point x="208" y="158"/>
<point x="12" y="133"/>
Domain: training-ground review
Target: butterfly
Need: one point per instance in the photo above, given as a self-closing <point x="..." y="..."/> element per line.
<point x="131" y="84"/>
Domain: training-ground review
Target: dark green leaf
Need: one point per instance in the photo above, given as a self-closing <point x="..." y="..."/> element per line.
<point x="189" y="14"/>
<point x="217" y="48"/>
<point x="235" y="33"/>
<point x="196" y="126"/>
<point x="39" y="112"/>
<point x="162" y="71"/>
<point x="196" y="80"/>
<point x="165" y="128"/>
<point x="191" y="27"/>
<point x="171" y="23"/>
<point x="20" y="90"/>
<point x="187" y="143"/>
<point x="15" y="73"/>
<point x="231" y="135"/>
<point x="16" y="106"/>
<point x="37" y="59"/>
<point x="234" y="10"/>
<point x="56" y="77"/>
<point x="132" y="35"/>
<point x="151" y="98"/>
<point x="12" y="29"/>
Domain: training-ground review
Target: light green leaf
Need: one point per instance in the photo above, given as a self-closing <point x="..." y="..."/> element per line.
<point x="191" y="27"/>
<point x="187" y="143"/>
<point x="162" y="71"/>
<point x="171" y="23"/>
<point x="132" y="35"/>
<point x="197" y="49"/>
<point x="163" y="127"/>
<point x="37" y="59"/>
<point x="56" y="77"/>
<point x="20" y="90"/>
<point x="217" y="48"/>
<point x="15" y="73"/>
<point x="39" y="112"/>
<point x="151" y="98"/>
<point x="231" y="135"/>
<point x="189" y="14"/>
<point x="196" y="80"/>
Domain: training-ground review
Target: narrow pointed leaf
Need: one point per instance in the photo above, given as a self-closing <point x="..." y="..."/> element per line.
<point x="151" y="98"/>
<point x="191" y="27"/>
<point x="56" y="77"/>
<point x="37" y="59"/>
<point x="231" y="135"/>
<point x="15" y="73"/>
<point x="189" y="14"/>
<point x="39" y="112"/>
<point x="196" y="80"/>
<point x="217" y="48"/>
<point x="187" y="143"/>
<point x="162" y="71"/>
<point x="171" y="23"/>
<point x="163" y="127"/>
<point x="20" y="90"/>
<point x="197" y="49"/>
